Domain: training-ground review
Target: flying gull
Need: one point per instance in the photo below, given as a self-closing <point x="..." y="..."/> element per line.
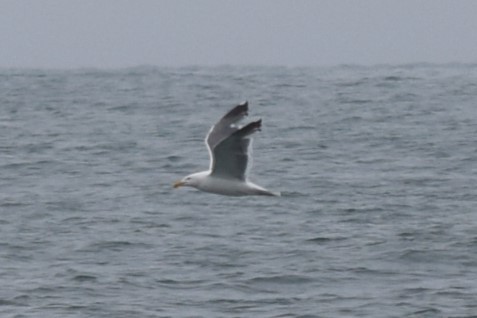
<point x="228" y="145"/>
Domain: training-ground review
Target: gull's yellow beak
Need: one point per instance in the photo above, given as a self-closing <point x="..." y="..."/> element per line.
<point x="178" y="184"/>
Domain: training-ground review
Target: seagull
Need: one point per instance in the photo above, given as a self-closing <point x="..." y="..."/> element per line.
<point x="228" y="146"/>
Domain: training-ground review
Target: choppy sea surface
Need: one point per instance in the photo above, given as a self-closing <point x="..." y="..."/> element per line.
<point x="377" y="166"/>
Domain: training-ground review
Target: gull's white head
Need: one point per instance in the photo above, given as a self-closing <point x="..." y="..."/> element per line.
<point x="192" y="180"/>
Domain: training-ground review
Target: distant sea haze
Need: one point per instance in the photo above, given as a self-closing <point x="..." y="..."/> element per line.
<point x="376" y="166"/>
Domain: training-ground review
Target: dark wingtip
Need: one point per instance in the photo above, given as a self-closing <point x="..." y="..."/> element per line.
<point x="250" y="128"/>
<point x="243" y="107"/>
<point x="240" y="109"/>
<point x="259" y="124"/>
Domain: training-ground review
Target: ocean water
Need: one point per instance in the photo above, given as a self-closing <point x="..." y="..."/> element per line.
<point x="377" y="166"/>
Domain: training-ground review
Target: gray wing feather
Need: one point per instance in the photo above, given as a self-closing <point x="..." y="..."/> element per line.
<point x="228" y="144"/>
<point x="226" y="125"/>
<point x="231" y="155"/>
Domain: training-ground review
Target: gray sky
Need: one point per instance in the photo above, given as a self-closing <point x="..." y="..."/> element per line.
<point x="121" y="33"/>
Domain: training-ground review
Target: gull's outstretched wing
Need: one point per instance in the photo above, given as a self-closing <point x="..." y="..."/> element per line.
<point x="231" y="154"/>
<point x="226" y="126"/>
<point x="228" y="144"/>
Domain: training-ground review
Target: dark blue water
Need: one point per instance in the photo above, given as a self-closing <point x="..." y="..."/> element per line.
<point x="377" y="166"/>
